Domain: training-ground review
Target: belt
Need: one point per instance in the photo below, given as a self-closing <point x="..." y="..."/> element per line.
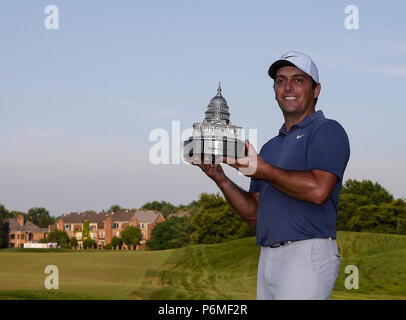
<point x="284" y="243"/>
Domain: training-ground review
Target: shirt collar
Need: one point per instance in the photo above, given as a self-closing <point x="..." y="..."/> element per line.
<point x="306" y="121"/>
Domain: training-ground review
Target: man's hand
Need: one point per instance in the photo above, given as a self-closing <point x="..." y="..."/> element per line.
<point x="245" y="203"/>
<point x="251" y="165"/>
<point x="213" y="171"/>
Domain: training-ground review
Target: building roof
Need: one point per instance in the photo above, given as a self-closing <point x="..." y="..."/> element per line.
<point x="122" y="215"/>
<point x="28" y="226"/>
<point x="94" y="217"/>
<point x="74" y="217"/>
<point x="147" y="216"/>
<point x="179" y="214"/>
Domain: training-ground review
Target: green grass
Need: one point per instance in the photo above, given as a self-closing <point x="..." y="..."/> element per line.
<point x="221" y="271"/>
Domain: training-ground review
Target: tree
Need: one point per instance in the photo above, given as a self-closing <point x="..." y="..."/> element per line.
<point x="88" y="243"/>
<point x="367" y="206"/>
<point x="374" y="192"/>
<point x="116" y="241"/>
<point x="131" y="235"/>
<point x="383" y="218"/>
<point x="73" y="242"/>
<point x="163" y="207"/>
<point x="108" y="246"/>
<point x="114" y="208"/>
<point x="216" y="221"/>
<point x="40" y="217"/>
<point x="192" y="207"/>
<point x="4" y="214"/>
<point x="85" y="232"/>
<point x="61" y="237"/>
<point x="172" y="233"/>
<point x="14" y="214"/>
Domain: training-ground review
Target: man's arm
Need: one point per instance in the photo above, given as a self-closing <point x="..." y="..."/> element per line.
<point x="313" y="186"/>
<point x="245" y="203"/>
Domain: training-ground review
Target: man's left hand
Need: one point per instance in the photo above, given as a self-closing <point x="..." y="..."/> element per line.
<point x="251" y="165"/>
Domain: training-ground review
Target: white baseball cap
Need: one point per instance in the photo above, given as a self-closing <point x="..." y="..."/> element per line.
<point x="297" y="59"/>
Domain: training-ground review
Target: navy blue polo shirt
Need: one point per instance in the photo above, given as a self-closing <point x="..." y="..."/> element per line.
<point x="314" y="143"/>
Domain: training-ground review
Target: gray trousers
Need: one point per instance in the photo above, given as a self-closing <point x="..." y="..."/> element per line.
<point x="300" y="270"/>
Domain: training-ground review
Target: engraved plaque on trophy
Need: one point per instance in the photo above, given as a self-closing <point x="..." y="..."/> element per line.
<point x="215" y="137"/>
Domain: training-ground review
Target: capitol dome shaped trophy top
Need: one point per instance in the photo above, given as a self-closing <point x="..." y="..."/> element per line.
<point x="215" y="137"/>
<point x="217" y="110"/>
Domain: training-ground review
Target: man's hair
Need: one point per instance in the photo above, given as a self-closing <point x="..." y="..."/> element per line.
<point x="314" y="85"/>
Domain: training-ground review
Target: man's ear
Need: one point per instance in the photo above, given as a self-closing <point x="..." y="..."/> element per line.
<point x="317" y="91"/>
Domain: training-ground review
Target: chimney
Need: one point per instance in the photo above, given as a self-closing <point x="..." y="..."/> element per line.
<point x="20" y="220"/>
<point x="134" y="222"/>
<point x="108" y="230"/>
<point x="59" y="224"/>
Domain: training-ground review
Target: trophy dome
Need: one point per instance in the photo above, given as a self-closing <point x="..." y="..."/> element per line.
<point x="217" y="110"/>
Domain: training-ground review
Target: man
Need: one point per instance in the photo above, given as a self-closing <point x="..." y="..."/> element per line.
<point x="295" y="183"/>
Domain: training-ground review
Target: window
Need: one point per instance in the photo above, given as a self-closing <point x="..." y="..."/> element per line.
<point x="12" y="236"/>
<point x="93" y="227"/>
<point x="116" y="234"/>
<point x="67" y="227"/>
<point x="101" y="234"/>
<point x="93" y="236"/>
<point x="116" y="225"/>
<point x="22" y="236"/>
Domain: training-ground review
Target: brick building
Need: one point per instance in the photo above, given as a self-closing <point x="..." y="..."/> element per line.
<point x="104" y="226"/>
<point x="21" y="231"/>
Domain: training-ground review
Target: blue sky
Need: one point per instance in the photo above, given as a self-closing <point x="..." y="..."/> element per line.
<point x="77" y="104"/>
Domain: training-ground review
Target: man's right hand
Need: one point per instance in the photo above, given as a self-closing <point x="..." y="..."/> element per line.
<point x="245" y="203"/>
<point x="213" y="171"/>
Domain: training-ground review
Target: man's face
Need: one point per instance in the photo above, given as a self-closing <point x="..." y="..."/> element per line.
<point x="294" y="91"/>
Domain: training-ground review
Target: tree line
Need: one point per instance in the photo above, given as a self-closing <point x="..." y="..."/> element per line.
<point x="364" y="206"/>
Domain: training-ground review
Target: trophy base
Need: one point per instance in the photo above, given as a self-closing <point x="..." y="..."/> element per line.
<point x="214" y="149"/>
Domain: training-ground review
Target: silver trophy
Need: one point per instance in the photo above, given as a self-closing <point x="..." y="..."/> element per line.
<point x="215" y="138"/>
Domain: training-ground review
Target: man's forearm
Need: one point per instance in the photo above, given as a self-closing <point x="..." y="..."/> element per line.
<point x="301" y="185"/>
<point x="245" y="203"/>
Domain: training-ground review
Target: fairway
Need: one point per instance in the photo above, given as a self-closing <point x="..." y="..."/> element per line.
<point x="221" y="271"/>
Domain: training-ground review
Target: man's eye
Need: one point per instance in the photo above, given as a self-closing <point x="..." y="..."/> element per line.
<point x="280" y="81"/>
<point x="299" y="80"/>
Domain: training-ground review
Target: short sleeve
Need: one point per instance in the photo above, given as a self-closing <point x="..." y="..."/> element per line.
<point x="329" y="149"/>
<point x="254" y="185"/>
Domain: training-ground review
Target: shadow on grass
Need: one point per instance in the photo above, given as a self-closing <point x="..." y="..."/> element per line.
<point x="43" y="295"/>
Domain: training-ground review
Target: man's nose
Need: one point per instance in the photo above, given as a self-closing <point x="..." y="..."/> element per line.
<point x="288" y="85"/>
